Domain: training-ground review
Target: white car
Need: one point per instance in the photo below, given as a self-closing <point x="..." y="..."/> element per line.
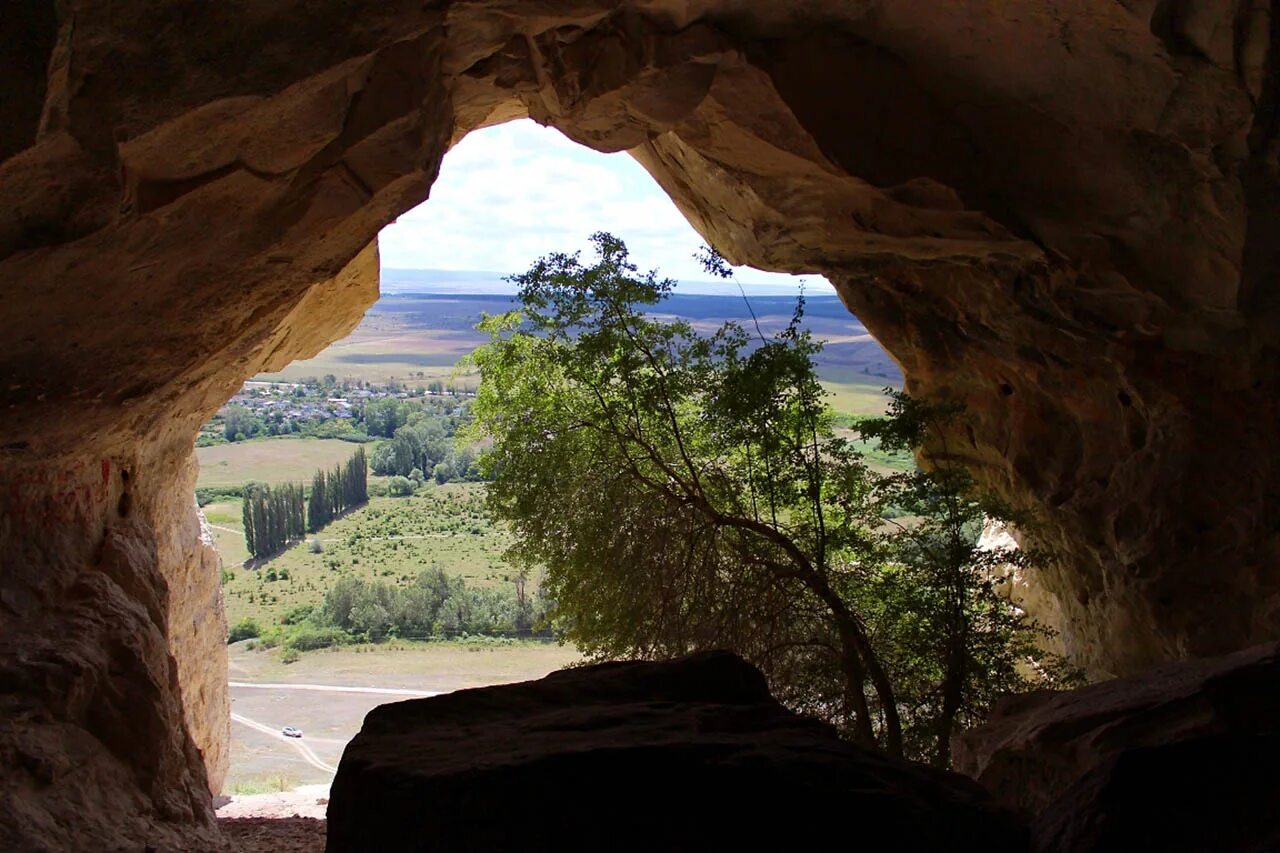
<point x="290" y="731"/>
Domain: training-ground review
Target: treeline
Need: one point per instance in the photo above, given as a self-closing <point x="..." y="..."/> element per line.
<point x="274" y="516"/>
<point x="334" y="492"/>
<point x="433" y="606"/>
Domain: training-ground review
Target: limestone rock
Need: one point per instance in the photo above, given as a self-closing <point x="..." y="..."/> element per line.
<point x="692" y="754"/>
<point x="1180" y="758"/>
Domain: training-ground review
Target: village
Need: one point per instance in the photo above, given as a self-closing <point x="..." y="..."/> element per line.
<point x="321" y="407"/>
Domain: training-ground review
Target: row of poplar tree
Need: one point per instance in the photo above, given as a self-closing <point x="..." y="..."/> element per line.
<point x="274" y="517"/>
<point x="334" y="491"/>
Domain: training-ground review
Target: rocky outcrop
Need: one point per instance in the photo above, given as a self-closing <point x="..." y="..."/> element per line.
<point x="1180" y="758"/>
<point x="692" y="754"/>
<point x="1063" y="215"/>
<point x="98" y="749"/>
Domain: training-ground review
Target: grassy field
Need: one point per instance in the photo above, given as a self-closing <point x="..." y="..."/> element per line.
<point x="857" y="398"/>
<point x="269" y="460"/>
<point x="390" y="540"/>
<point x="228" y="531"/>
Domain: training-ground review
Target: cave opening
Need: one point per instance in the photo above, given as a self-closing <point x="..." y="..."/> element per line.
<point x="505" y="196"/>
<point x="975" y="184"/>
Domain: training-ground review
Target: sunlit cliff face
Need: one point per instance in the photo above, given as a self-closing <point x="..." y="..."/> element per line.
<point x="1064" y="218"/>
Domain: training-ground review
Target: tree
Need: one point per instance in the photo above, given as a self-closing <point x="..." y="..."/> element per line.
<point x="686" y="491"/>
<point x="273" y="517"/>
<point x="238" y="423"/>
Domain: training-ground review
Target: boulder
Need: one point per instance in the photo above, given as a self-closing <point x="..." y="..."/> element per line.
<point x="1183" y="757"/>
<point x="693" y="754"/>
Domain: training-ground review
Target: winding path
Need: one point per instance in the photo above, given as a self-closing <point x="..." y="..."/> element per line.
<point x="307" y="755"/>
<point x="303" y="749"/>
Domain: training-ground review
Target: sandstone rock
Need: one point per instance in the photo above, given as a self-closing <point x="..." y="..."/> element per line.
<point x="1180" y="758"/>
<point x="1062" y="215"/>
<point x="691" y="754"/>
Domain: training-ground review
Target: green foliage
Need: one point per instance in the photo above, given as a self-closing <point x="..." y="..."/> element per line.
<point x="297" y="615"/>
<point x="238" y="423"/>
<point x="334" y="492"/>
<point x="425" y="442"/>
<point x="272" y="517"/>
<point x="245" y="629"/>
<point x="382" y="417"/>
<point x="306" y="637"/>
<point x="213" y="494"/>
<point x="400" y="486"/>
<point x="686" y="492"/>
<point x="433" y="606"/>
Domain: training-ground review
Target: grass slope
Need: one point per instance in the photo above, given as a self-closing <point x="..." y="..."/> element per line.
<point x="389" y="540"/>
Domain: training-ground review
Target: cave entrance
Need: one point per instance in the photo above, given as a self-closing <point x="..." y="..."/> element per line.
<point x="1083" y="265"/>
<point x="309" y="655"/>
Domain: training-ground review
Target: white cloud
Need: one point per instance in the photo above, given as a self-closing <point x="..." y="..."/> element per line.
<point x="509" y="194"/>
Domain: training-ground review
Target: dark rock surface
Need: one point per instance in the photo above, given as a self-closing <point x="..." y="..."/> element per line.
<point x="1209" y="794"/>
<point x="1184" y="757"/>
<point x="687" y="755"/>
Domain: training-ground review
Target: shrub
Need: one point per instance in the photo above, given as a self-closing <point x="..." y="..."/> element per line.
<point x="245" y="629"/>
<point x="315" y="546"/>
<point x="211" y="494"/>
<point x="290" y="656"/>
<point x="297" y="615"/>
<point x="309" y="637"/>
<point x="400" y="486"/>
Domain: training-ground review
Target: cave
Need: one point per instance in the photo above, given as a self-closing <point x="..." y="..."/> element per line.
<point x="1065" y="217"/>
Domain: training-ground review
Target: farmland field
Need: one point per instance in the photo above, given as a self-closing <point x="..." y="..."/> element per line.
<point x="416" y="338"/>
<point x="269" y="460"/>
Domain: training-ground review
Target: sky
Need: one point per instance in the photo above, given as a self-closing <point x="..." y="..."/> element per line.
<point x="509" y="194"/>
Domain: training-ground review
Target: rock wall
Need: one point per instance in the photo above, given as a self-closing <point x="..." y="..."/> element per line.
<point x="1066" y="216"/>
<point x="98" y="749"/>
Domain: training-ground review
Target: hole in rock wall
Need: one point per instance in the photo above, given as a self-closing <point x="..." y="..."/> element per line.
<point x="327" y="619"/>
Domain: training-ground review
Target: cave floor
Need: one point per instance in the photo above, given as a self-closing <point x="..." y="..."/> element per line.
<point x="274" y="835"/>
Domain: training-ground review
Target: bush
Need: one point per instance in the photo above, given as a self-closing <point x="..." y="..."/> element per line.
<point x="245" y="629"/>
<point x="210" y="494"/>
<point x="315" y="546"/>
<point x="290" y="656"/>
<point x="400" y="487"/>
<point x="308" y="637"/>
<point x="297" y="615"/>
